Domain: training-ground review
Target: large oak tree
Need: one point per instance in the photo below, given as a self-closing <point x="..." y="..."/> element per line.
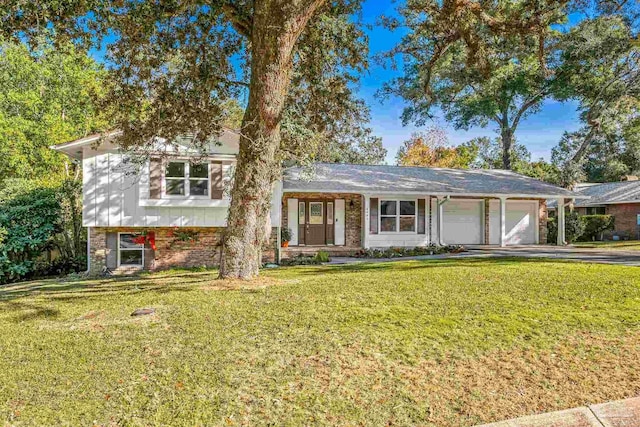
<point x="174" y="63"/>
<point x="479" y="62"/>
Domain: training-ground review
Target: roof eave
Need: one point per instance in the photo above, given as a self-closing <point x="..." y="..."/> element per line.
<point x="435" y="193"/>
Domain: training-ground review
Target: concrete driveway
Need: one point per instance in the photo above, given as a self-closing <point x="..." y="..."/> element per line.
<point x="631" y="258"/>
<point x="600" y="256"/>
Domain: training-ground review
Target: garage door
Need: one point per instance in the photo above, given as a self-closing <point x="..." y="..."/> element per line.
<point x="521" y="225"/>
<point x="462" y="222"/>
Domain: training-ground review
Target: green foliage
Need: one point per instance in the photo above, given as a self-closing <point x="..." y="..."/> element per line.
<point x="595" y="226"/>
<point x="601" y="71"/>
<point x="400" y="252"/>
<point x="30" y="221"/>
<point x="300" y="259"/>
<point x="182" y="235"/>
<point x="322" y="256"/>
<point x="48" y="97"/>
<point x="286" y="234"/>
<point x="574" y="228"/>
<point x="35" y="219"/>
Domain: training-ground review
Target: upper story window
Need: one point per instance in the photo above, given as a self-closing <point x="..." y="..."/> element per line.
<point x="183" y="178"/>
<point x="397" y="215"/>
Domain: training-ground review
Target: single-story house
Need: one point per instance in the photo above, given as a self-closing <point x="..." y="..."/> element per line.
<point x="171" y="210"/>
<point x="618" y="199"/>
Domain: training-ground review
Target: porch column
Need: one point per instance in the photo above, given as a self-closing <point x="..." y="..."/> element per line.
<point x="441" y="203"/>
<point x="561" y="223"/>
<point x="503" y="222"/>
<point x="366" y="228"/>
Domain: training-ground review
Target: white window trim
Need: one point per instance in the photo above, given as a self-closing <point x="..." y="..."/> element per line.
<point x="186" y="179"/>
<point x="118" y="253"/>
<point x="397" y="216"/>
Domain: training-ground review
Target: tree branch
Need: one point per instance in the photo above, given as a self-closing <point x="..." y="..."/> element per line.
<point x="241" y="24"/>
<point x="528" y="104"/>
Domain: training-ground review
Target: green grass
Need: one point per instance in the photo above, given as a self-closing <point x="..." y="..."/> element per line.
<point x="405" y="343"/>
<point x="625" y="245"/>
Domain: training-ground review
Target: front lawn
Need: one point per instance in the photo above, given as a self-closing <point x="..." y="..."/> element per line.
<point x="442" y="343"/>
<point x="624" y="245"/>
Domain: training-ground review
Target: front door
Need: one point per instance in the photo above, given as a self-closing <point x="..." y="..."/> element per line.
<point x="315" y="232"/>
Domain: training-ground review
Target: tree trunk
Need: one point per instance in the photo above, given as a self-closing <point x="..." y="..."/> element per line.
<point x="507" y="142"/>
<point x="276" y="27"/>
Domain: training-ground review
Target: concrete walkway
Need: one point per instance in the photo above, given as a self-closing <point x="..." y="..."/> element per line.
<point x="622" y="413"/>
<point x="630" y="258"/>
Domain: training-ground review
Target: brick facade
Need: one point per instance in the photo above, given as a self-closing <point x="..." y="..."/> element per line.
<point x="353" y="213"/>
<point x="170" y="252"/>
<point x="625" y="218"/>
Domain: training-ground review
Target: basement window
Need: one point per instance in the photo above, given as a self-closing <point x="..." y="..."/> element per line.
<point x="130" y="250"/>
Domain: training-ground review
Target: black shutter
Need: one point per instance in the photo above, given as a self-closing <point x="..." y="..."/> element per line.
<point x="373" y="216"/>
<point x="217" y="184"/>
<point x="112" y="251"/>
<point x="421" y="216"/>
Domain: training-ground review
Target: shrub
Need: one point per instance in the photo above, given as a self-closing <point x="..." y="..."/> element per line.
<point x="37" y="219"/>
<point x="286" y="234"/>
<point x="323" y="256"/>
<point x="403" y="252"/>
<point x="300" y="260"/>
<point x="595" y="226"/>
<point x="574" y="228"/>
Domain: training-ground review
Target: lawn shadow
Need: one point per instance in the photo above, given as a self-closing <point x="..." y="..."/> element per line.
<point x="414" y="264"/>
<point x="29" y="311"/>
<point x="61" y="290"/>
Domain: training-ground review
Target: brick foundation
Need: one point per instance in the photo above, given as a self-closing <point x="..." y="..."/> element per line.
<point x="170" y="252"/>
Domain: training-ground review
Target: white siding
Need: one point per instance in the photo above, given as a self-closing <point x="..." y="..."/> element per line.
<point x="113" y="198"/>
<point x="399" y="239"/>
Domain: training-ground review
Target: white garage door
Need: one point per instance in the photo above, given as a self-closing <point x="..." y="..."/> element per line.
<point x="521" y="226"/>
<point x="462" y="222"/>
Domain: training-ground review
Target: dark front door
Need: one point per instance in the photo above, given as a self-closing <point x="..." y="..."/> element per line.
<point x="315" y="232"/>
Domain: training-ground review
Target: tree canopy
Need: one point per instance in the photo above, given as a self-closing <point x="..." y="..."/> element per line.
<point x="432" y="148"/>
<point x="48" y="97"/>
<point x="496" y="62"/>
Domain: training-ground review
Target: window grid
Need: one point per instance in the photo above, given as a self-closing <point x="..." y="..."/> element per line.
<point x="194" y="179"/>
<point x="130" y="251"/>
<point x="397" y="216"/>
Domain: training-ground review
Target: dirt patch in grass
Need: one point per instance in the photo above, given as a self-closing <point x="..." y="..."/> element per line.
<point x="582" y="370"/>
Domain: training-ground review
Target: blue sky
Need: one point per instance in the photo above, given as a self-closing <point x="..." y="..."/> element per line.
<point x="539" y="133"/>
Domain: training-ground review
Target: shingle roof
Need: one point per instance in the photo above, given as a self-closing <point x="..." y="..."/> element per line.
<point x="611" y="192"/>
<point x="401" y="179"/>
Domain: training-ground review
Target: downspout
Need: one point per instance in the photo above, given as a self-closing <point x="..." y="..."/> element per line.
<point x="88" y="250"/>
<point x="441" y="218"/>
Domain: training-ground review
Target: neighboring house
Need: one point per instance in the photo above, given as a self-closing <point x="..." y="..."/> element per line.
<point x="619" y="199"/>
<point x="171" y="212"/>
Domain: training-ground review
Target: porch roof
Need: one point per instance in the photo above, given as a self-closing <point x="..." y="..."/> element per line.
<point x="348" y="178"/>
